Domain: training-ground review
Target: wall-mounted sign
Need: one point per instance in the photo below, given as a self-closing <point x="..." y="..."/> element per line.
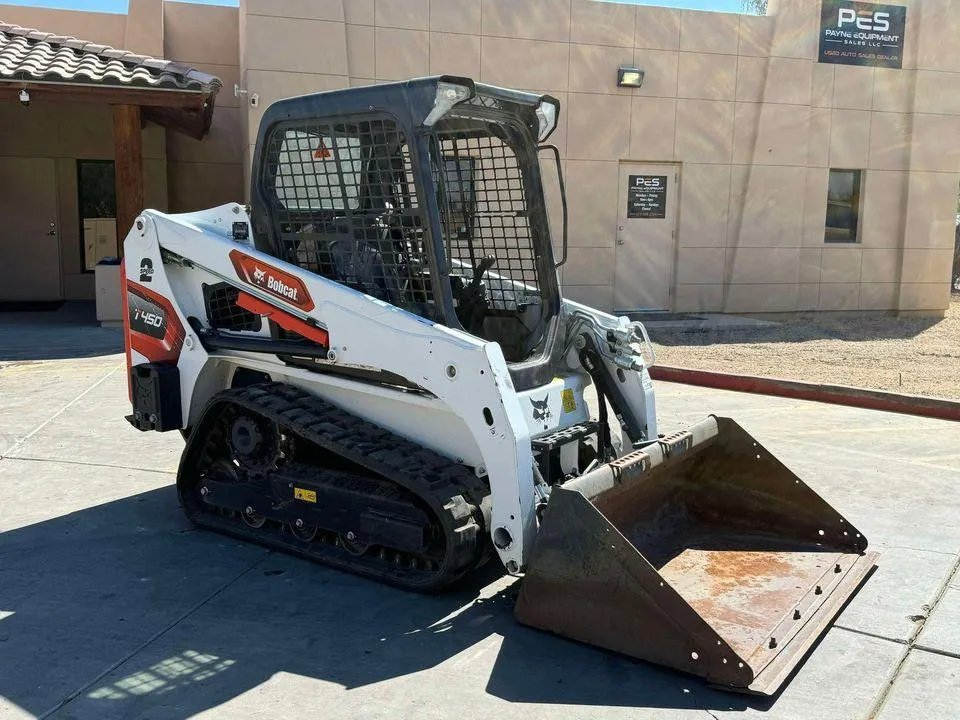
<point x="860" y="33"/>
<point x="647" y="197"/>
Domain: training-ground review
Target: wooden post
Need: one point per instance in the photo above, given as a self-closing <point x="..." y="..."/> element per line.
<point x="128" y="160"/>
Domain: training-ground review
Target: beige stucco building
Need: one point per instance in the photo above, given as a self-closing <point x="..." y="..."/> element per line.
<point x="791" y="184"/>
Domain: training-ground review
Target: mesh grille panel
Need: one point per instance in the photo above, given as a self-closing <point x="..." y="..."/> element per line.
<point x="482" y="165"/>
<point x="486" y="216"/>
<point x="485" y="101"/>
<point x="346" y="208"/>
<point x="223" y="313"/>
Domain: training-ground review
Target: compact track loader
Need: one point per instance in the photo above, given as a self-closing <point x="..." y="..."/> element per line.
<point x="375" y="369"/>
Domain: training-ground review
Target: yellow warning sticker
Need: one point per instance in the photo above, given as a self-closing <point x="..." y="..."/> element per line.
<point x="305" y="495"/>
<point x="569" y="400"/>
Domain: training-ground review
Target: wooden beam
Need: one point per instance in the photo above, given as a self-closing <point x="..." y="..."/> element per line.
<point x="188" y="122"/>
<point x="128" y="160"/>
<point x="144" y="97"/>
<point x="187" y="112"/>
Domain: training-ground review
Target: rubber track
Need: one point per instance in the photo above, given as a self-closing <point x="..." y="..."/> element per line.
<point x="452" y="491"/>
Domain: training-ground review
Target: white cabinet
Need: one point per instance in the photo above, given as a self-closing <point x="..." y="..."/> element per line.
<point x="109" y="299"/>
<point x="99" y="240"/>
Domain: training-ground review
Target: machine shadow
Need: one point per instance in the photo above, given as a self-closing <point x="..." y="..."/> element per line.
<point x="202" y="619"/>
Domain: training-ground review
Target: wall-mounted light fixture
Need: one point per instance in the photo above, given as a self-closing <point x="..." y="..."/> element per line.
<point x="25" y="97"/>
<point x="629" y="77"/>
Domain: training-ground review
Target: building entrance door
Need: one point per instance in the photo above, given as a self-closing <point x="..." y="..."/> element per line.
<point x="646" y="237"/>
<point x="29" y="242"/>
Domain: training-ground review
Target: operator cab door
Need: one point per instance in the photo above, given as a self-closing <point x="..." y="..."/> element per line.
<point x="646" y="237"/>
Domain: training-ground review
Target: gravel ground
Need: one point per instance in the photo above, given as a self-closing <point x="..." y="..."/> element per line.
<point x="919" y="356"/>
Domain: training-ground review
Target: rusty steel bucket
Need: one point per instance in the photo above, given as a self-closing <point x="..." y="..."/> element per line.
<point x="702" y="552"/>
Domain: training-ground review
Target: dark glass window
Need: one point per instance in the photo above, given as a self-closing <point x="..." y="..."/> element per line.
<point x="98" y="211"/>
<point x="843" y="207"/>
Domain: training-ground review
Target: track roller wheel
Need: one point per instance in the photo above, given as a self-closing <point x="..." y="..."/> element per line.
<point x="350" y="543"/>
<point x="302" y="531"/>
<point x="253" y="519"/>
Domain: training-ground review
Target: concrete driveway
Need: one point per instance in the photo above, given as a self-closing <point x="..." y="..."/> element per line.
<point x="113" y="606"/>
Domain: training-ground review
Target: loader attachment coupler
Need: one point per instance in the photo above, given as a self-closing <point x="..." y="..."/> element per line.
<point x="702" y="552"/>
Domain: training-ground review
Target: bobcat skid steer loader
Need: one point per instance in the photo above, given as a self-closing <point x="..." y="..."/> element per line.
<point x="375" y="369"/>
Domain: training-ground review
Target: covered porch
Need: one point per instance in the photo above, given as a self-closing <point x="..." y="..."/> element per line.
<point x="82" y="152"/>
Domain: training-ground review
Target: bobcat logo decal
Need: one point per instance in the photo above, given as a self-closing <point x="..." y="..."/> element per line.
<point x="272" y="280"/>
<point x="541" y="409"/>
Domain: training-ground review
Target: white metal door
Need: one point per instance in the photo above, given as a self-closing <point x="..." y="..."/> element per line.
<point x="29" y="242"/>
<point x="646" y="237"/>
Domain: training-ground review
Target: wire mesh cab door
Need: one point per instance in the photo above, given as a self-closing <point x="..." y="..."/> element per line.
<point x="493" y="222"/>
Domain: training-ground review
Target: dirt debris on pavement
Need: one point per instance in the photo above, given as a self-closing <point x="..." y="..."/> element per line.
<point x="913" y="355"/>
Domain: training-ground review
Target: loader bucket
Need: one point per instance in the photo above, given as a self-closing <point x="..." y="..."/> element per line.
<point x="702" y="552"/>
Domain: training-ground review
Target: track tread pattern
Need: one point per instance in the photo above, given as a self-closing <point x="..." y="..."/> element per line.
<point x="452" y="490"/>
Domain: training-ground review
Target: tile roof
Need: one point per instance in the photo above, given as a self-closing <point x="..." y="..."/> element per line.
<point x="32" y="55"/>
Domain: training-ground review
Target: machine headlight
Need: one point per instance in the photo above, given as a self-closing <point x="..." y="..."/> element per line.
<point x="547" y="115"/>
<point x="448" y="95"/>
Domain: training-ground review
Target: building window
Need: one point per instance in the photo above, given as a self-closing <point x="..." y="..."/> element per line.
<point x="843" y="207"/>
<point x="98" y="211"/>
